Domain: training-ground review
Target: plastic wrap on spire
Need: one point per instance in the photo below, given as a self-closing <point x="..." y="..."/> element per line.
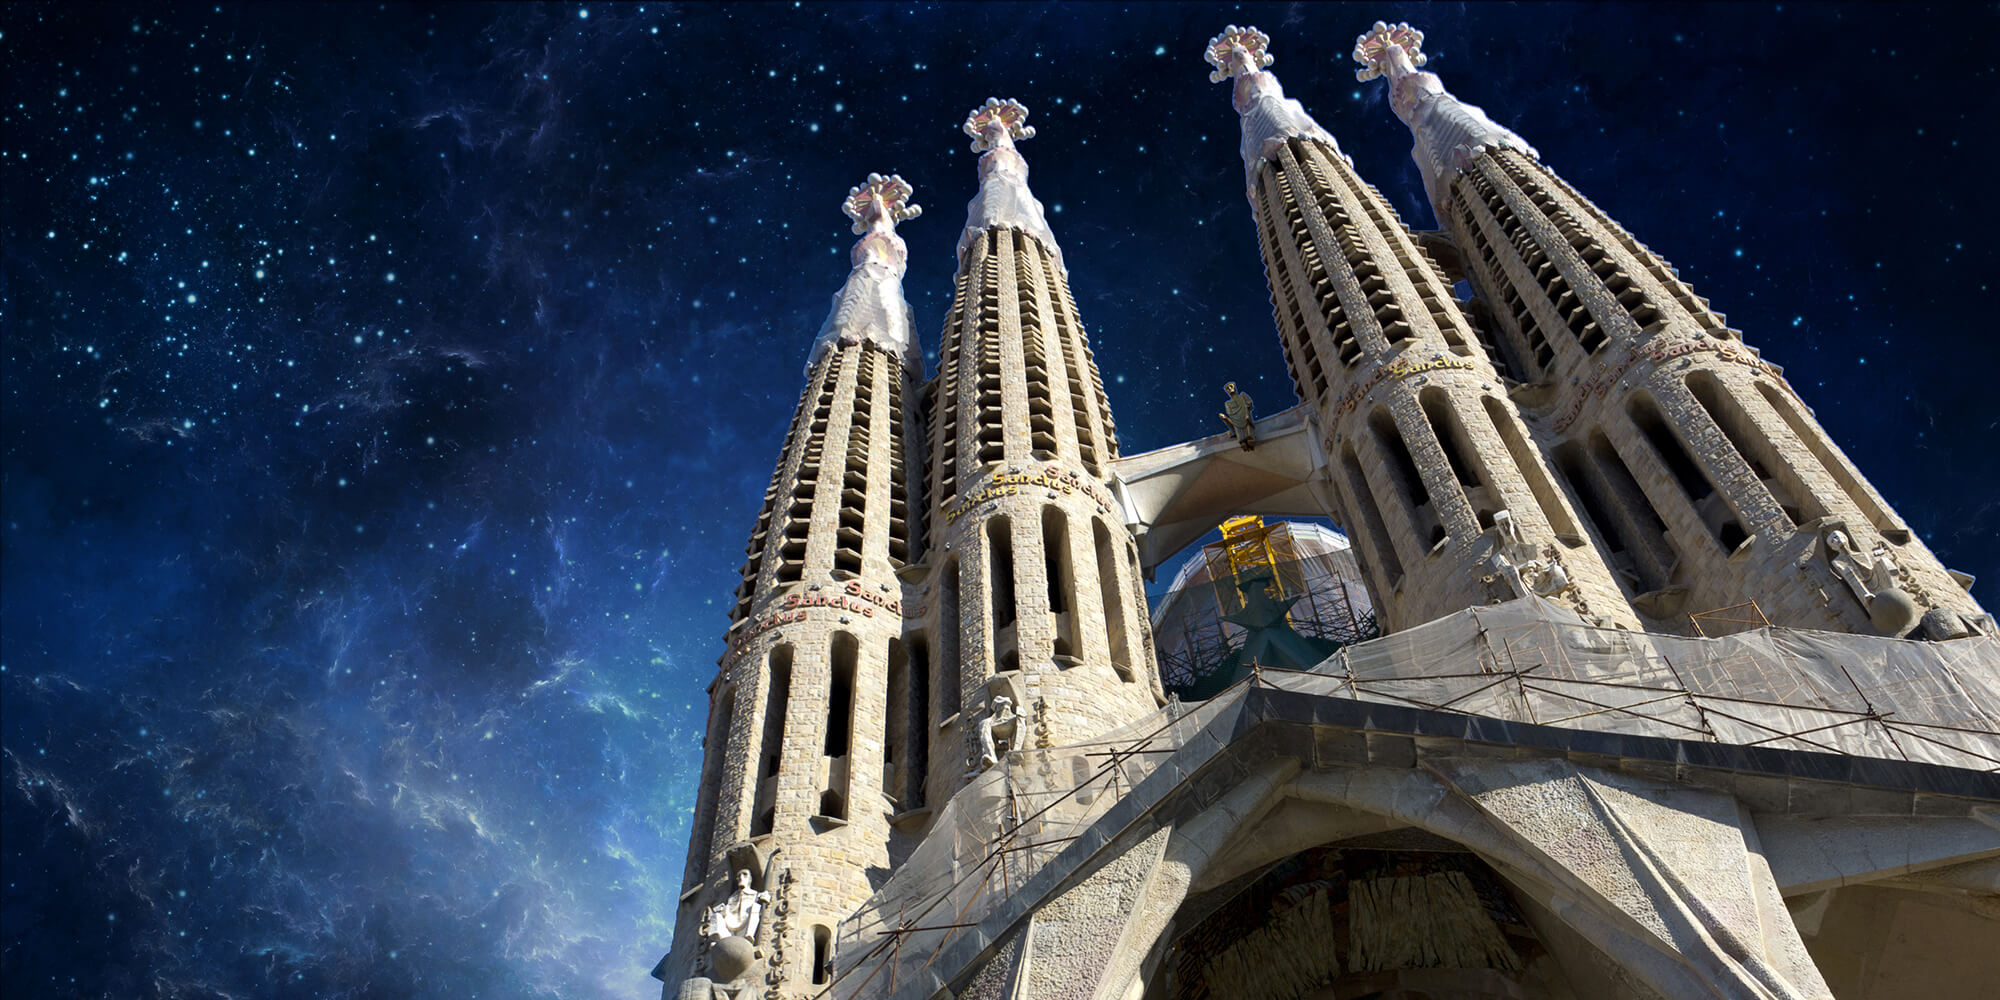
<point x="1448" y="131"/>
<point x="1004" y="200"/>
<point x="870" y="307"/>
<point x="1269" y="117"/>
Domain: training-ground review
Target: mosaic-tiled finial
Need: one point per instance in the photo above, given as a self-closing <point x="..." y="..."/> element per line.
<point x="880" y="197"/>
<point x="1009" y="114"/>
<point x="1238" y="52"/>
<point x="1371" y="49"/>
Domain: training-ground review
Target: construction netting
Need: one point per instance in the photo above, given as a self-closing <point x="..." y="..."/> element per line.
<point x="1529" y="661"/>
<point x="1311" y="564"/>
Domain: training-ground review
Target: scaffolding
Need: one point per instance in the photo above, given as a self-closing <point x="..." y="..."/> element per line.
<point x="1528" y="660"/>
<point x="1192" y="634"/>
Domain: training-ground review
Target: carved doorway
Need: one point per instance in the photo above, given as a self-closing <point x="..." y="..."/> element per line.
<point x="1397" y="916"/>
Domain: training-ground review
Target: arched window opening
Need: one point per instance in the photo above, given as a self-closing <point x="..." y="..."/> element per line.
<point x="715" y="746"/>
<point x="1618" y="552"/>
<point x="919" y="726"/>
<point x="1756" y="450"/>
<point x="1113" y="601"/>
<point x="949" y="659"/>
<point x="1409" y="482"/>
<point x="1061" y="578"/>
<point x="1648" y="530"/>
<point x="840" y="696"/>
<point x="776" y="701"/>
<point x="1000" y="571"/>
<point x="1460" y="455"/>
<point x="1375" y="532"/>
<point x="896" y="721"/>
<point x="1530" y="465"/>
<point x="770" y="754"/>
<point x="1713" y="510"/>
<point x="1836" y="465"/>
<point x="822" y="970"/>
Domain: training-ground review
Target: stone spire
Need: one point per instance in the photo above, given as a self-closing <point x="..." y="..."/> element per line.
<point x="871" y="306"/>
<point x="1004" y="200"/>
<point x="1448" y="131"/>
<point x="1269" y="117"/>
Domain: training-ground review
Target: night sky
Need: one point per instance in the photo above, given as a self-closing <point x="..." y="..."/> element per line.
<point x="388" y="393"/>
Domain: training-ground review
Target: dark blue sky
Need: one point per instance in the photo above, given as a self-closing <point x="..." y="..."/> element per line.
<point x="388" y="393"/>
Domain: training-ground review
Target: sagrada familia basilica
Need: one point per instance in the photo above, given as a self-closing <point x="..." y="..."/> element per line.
<point x="1666" y="701"/>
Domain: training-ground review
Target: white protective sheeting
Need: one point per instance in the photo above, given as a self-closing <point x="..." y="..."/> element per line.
<point x="870" y="307"/>
<point x="1270" y="118"/>
<point x="1005" y="202"/>
<point x="1448" y="131"/>
<point x="1529" y="660"/>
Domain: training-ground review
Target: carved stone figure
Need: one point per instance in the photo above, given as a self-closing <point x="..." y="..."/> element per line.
<point x="1237" y="414"/>
<point x="1872" y="578"/>
<point x="1941" y="624"/>
<point x="997" y="731"/>
<point x="737" y="916"/>
<point x="1516" y="568"/>
<point x="729" y="962"/>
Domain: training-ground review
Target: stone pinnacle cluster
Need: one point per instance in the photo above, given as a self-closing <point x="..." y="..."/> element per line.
<point x="944" y="589"/>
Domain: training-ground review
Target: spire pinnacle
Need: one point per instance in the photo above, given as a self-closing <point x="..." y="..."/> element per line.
<point x="1238" y="52"/>
<point x="1448" y="131"/>
<point x="879" y="203"/>
<point x="1004" y="200"/>
<point x="1376" y="49"/>
<point x="997" y="123"/>
<point x="870" y="307"/>
<point x="1269" y="117"/>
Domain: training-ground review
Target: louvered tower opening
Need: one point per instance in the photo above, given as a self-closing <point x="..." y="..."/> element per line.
<point x="1034" y="350"/>
<point x="852" y="525"/>
<point x="1301" y="356"/>
<point x="899" y="480"/>
<point x="991" y="414"/>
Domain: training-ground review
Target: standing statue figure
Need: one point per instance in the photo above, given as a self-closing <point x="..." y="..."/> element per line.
<point x="1515" y="562"/>
<point x="1872" y="578"/>
<point x="1236" y="413"/>
<point x="997" y="731"/>
<point x="739" y="915"/>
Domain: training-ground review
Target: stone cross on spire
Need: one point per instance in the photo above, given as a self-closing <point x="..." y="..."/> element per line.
<point x="870" y="306"/>
<point x="1269" y="117"/>
<point x="1004" y="200"/>
<point x="1448" y="132"/>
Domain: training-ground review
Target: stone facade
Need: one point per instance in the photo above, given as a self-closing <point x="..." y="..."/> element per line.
<point x="946" y="572"/>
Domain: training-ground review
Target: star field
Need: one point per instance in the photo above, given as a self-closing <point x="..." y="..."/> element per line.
<point x="388" y="392"/>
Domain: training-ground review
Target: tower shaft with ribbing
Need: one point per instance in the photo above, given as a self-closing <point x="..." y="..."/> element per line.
<point x="1702" y="472"/>
<point x="1035" y="594"/>
<point x="809" y="734"/>
<point x="1440" y="483"/>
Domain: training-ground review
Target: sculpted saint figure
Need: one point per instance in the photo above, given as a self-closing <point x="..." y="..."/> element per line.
<point x="738" y="915"/>
<point x="1872" y="578"/>
<point x="1236" y="413"/>
<point x="1002" y="719"/>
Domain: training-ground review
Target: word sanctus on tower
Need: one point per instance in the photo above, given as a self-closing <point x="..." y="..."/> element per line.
<point x="1654" y="695"/>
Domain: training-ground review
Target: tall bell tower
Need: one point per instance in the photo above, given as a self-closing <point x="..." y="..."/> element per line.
<point x="1441" y="485"/>
<point x="1702" y="472"/>
<point x="1036" y="595"/>
<point x="808" y="731"/>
